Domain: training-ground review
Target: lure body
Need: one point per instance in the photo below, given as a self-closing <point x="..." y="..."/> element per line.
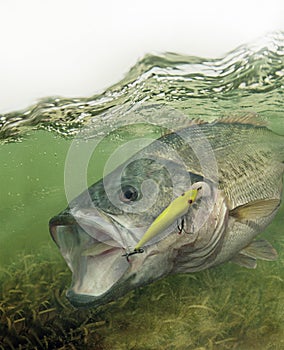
<point x="177" y="208"/>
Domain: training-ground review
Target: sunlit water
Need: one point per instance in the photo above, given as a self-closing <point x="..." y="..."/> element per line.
<point x="35" y="141"/>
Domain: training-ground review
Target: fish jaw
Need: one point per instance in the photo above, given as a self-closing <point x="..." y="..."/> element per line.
<point x="100" y="272"/>
<point x="92" y="255"/>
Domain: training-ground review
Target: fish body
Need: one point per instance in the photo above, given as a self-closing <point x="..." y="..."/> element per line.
<point x="240" y="194"/>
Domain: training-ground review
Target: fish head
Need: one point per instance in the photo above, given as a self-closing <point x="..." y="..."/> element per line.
<point x="101" y="227"/>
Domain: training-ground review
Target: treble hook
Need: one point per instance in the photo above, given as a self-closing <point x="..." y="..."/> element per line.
<point x="135" y="251"/>
<point x="181" y="228"/>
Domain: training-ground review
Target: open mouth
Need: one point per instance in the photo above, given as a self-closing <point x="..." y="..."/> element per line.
<point x="93" y="251"/>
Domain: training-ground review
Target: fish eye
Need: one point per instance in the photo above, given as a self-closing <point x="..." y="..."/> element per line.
<point x="128" y="194"/>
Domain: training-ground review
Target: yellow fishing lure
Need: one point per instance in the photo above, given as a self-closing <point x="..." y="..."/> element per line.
<point x="175" y="210"/>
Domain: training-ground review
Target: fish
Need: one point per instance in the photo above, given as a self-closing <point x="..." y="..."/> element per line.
<point x="131" y="228"/>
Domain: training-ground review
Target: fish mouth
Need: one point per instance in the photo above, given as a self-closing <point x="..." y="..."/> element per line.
<point x="88" y="242"/>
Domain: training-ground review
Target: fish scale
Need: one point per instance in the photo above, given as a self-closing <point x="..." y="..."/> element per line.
<point x="250" y="150"/>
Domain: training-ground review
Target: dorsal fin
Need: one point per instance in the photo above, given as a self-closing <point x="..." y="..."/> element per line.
<point x="186" y="124"/>
<point x="248" y="118"/>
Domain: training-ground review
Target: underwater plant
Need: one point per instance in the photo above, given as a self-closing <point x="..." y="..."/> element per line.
<point x="222" y="308"/>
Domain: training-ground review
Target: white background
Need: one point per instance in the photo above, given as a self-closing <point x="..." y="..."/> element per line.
<point x="77" y="48"/>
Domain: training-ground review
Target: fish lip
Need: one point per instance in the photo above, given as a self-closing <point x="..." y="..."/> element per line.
<point x="87" y="301"/>
<point x="67" y="219"/>
<point x="80" y="300"/>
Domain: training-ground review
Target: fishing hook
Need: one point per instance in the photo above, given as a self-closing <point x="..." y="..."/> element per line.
<point x="181" y="228"/>
<point x="135" y="251"/>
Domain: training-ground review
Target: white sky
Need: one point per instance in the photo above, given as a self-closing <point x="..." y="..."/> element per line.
<point x="77" y="48"/>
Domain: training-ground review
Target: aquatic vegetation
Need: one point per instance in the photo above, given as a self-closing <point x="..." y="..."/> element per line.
<point x="225" y="308"/>
<point x="34" y="313"/>
<point x="228" y="307"/>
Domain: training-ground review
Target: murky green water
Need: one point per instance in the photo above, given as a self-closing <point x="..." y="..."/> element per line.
<point x="179" y="315"/>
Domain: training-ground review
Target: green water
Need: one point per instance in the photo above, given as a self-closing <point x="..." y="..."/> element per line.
<point x="225" y="308"/>
<point x="32" y="189"/>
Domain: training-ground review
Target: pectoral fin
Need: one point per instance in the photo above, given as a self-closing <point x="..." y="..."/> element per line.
<point x="260" y="249"/>
<point x="256" y="209"/>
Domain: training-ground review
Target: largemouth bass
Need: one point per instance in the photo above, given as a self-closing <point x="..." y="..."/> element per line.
<point x="101" y="234"/>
